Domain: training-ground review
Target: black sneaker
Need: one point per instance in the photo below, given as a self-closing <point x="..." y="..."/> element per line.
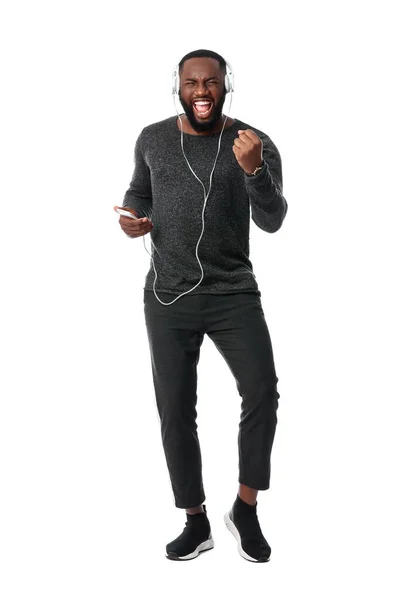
<point x="195" y="538"/>
<point x="242" y="522"/>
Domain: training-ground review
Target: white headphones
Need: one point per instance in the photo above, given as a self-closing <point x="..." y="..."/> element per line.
<point x="228" y="81"/>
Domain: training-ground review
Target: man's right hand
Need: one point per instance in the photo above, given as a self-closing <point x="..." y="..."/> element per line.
<point x="135" y="227"/>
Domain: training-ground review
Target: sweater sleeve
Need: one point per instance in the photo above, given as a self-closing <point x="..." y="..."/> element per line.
<point x="139" y="196"/>
<point x="268" y="206"/>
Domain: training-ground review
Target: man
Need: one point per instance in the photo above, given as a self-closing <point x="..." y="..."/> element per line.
<point x="168" y="201"/>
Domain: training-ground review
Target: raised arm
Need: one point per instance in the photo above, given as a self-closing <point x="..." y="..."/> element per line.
<point x="268" y="206"/>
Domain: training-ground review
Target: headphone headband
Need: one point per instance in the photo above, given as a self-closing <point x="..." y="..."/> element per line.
<point x="228" y="80"/>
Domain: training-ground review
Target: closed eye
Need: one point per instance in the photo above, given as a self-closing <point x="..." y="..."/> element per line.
<point x="211" y="81"/>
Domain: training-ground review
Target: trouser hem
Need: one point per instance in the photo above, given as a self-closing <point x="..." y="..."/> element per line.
<point x="254" y="485"/>
<point x="190" y="504"/>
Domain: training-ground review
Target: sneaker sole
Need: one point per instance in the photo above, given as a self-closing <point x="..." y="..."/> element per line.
<point x="232" y="528"/>
<point x="207" y="545"/>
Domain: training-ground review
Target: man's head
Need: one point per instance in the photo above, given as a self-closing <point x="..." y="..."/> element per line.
<point x="202" y="77"/>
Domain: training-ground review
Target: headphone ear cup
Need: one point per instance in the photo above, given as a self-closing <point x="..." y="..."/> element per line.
<point x="175" y="83"/>
<point x="227" y="83"/>
<point x="229" y="78"/>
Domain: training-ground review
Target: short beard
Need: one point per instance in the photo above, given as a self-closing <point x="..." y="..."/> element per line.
<point x="206" y="125"/>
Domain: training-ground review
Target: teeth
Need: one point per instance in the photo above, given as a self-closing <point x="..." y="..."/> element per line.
<point x="203" y="113"/>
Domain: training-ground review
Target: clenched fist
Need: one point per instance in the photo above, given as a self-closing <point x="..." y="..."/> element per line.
<point x="247" y="149"/>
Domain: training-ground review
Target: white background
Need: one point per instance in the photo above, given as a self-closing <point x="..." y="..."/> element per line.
<point x="86" y="504"/>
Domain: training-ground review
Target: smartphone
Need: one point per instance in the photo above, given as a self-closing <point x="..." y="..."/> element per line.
<point x="125" y="213"/>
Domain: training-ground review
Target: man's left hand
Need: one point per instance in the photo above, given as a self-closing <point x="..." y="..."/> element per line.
<point x="247" y="149"/>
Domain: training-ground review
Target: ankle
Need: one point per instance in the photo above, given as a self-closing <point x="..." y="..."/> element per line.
<point x="195" y="510"/>
<point x="247" y="494"/>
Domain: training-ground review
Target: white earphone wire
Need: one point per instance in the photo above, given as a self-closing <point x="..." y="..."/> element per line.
<point x="205" y="199"/>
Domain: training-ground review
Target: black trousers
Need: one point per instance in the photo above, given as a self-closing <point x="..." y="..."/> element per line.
<point x="237" y="326"/>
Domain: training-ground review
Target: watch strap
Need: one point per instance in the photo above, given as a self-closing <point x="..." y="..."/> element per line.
<point x="257" y="170"/>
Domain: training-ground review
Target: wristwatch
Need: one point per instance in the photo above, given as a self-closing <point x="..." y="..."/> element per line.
<point x="256" y="170"/>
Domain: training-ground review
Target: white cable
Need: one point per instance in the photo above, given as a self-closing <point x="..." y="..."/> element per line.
<point x="205" y="201"/>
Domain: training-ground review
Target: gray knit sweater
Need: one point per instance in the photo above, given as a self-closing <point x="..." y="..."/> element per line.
<point x="164" y="189"/>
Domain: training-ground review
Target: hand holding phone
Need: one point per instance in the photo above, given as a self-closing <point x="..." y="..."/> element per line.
<point x="124" y="212"/>
<point x="131" y="224"/>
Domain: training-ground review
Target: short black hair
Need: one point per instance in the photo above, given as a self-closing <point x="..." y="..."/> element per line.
<point x="206" y="54"/>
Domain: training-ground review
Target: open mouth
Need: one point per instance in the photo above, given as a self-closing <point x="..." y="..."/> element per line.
<point x="202" y="108"/>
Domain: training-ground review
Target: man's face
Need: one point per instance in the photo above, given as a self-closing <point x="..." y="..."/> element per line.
<point x="201" y="79"/>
